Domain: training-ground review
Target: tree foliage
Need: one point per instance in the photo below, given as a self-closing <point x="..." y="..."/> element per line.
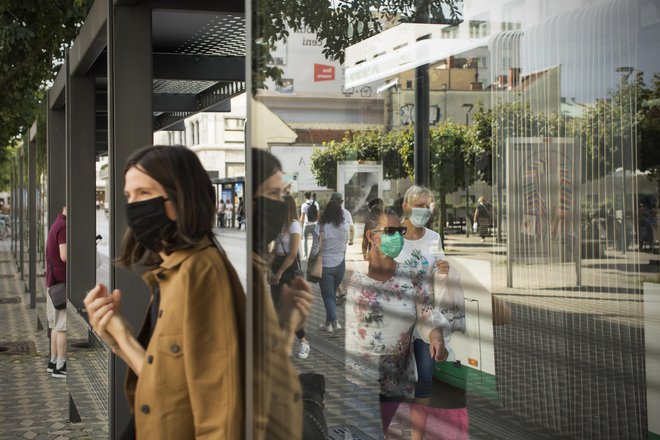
<point x="371" y="145"/>
<point x="649" y="129"/>
<point x="33" y="37"/>
<point x="338" y="23"/>
<point x="453" y="151"/>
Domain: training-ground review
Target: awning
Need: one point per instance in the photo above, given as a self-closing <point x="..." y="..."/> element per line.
<point x="388" y="54"/>
<point x="271" y="129"/>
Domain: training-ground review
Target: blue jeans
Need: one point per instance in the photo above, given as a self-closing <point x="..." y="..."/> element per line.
<point x="425" y="365"/>
<point x="306" y="233"/>
<point x="329" y="283"/>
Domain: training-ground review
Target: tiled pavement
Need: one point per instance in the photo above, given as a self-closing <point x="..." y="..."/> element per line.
<point x="33" y="405"/>
<point x="541" y="394"/>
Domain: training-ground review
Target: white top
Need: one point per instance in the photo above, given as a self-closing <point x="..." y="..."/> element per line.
<point x="420" y="256"/>
<point x="283" y="241"/>
<point x="348" y="218"/>
<point x="303" y="210"/>
<point x="335" y="239"/>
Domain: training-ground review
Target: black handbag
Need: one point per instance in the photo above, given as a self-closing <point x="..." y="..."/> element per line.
<point x="315" y="264"/>
<point x="58" y="295"/>
<point x="291" y="272"/>
<point x="57" y="292"/>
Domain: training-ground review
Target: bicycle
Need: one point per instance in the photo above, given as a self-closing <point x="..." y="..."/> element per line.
<point x="5" y="227"/>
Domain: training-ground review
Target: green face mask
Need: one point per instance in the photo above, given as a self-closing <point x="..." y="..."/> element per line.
<point x="391" y="245"/>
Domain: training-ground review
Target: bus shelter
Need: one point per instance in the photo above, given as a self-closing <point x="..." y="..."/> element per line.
<point x="135" y="67"/>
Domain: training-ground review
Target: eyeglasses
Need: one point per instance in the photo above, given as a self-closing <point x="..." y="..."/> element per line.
<point x="391" y="230"/>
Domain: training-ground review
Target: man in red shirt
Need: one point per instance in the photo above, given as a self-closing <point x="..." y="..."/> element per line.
<point x="56" y="274"/>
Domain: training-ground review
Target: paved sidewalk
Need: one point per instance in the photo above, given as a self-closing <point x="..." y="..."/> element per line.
<point x="33" y="405"/>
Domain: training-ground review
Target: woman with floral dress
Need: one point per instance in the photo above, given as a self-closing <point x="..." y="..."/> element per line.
<point x="383" y="308"/>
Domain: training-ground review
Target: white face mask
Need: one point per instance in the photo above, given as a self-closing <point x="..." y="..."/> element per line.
<point x="419" y="217"/>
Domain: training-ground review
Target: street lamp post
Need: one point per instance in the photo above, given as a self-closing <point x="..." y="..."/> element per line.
<point x="625" y="72"/>
<point x="443" y="87"/>
<point x="468" y="222"/>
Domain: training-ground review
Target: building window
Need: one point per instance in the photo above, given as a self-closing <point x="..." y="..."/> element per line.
<point x="234" y="124"/>
<point x="450" y="32"/>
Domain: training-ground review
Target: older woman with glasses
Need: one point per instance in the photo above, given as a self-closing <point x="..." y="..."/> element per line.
<point x="383" y="308"/>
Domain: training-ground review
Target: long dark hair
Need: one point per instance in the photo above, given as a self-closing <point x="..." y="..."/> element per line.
<point x="179" y="171"/>
<point x="333" y="213"/>
<point x="292" y="209"/>
<point x="264" y="165"/>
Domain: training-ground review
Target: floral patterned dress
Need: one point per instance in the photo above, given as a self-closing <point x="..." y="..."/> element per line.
<point x="380" y="319"/>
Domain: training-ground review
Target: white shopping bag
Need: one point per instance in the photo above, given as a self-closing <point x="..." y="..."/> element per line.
<point x="450" y="299"/>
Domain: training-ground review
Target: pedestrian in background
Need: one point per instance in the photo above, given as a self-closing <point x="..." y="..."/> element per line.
<point x="221" y="214"/>
<point x="422" y="254"/>
<point x="373" y="203"/>
<point x="309" y="216"/>
<point x="186" y="366"/>
<point x="482" y="218"/>
<point x="332" y="226"/>
<point x="383" y="308"/>
<point x="229" y="214"/>
<point x="240" y="213"/>
<point x="285" y="265"/>
<point x="56" y="274"/>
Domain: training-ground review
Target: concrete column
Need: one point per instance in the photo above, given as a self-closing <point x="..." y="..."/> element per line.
<point x="80" y="188"/>
<point x="129" y="128"/>
<point x="20" y="213"/>
<point x="56" y="152"/>
<point x="32" y="215"/>
<point x="13" y="208"/>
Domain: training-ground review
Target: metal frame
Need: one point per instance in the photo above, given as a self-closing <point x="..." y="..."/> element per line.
<point x="105" y="100"/>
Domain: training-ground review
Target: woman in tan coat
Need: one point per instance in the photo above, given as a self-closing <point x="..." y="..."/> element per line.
<point x="186" y="365"/>
<point x="277" y="411"/>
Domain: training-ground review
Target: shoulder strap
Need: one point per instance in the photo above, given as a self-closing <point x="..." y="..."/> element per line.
<point x="279" y="239"/>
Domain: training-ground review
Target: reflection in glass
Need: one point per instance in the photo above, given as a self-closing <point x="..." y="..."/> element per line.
<point x="543" y="130"/>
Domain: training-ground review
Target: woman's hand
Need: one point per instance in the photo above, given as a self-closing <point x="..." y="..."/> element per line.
<point x="102" y="308"/>
<point x="442" y="266"/>
<point x="303" y="298"/>
<point x="275" y="278"/>
<point x="294" y="307"/>
<point x="437" y="347"/>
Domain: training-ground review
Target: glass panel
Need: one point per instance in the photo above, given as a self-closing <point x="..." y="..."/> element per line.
<point x="102" y="220"/>
<point x="535" y="248"/>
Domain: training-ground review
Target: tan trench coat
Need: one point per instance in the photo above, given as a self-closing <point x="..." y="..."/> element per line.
<point x="278" y="410"/>
<point x="191" y="384"/>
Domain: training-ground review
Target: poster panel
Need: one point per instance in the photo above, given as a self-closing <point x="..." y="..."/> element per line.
<point x="543" y="218"/>
<point x="359" y="182"/>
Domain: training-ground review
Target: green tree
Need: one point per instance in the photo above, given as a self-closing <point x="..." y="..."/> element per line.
<point x="649" y="130"/>
<point x="337" y="23"/>
<point x="453" y="151"/>
<point x="371" y="145"/>
<point x="33" y="37"/>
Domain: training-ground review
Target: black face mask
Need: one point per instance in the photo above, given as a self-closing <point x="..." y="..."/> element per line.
<point x="269" y="218"/>
<point x="149" y="222"/>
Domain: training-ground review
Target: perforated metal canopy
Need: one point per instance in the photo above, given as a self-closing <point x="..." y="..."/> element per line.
<point x="198" y="60"/>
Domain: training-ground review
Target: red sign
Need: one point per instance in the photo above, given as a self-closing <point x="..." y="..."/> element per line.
<point x="323" y="72"/>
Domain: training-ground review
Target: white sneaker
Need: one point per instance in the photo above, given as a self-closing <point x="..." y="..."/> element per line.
<point x="327" y="327"/>
<point x="335" y="329"/>
<point x="304" y="350"/>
